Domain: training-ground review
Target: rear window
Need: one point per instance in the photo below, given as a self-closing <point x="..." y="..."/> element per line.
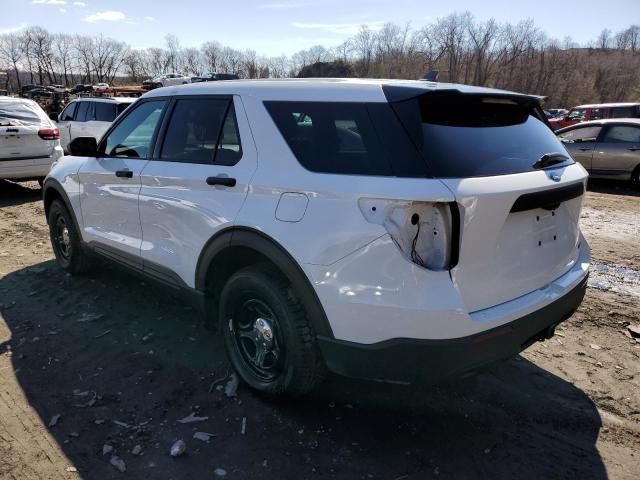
<point x="475" y="135"/>
<point x="21" y="113"/>
<point x="346" y="138"/>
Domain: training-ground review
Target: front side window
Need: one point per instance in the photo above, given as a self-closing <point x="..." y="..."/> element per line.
<point x="105" y="112"/>
<point x="582" y="134"/>
<point x="622" y="134"/>
<point x="67" y="113"/>
<point x="597" y="114"/>
<point x="133" y="136"/>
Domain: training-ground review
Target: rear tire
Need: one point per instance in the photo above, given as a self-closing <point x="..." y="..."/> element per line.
<point x="267" y="335"/>
<point x="635" y="178"/>
<point x="65" y="240"/>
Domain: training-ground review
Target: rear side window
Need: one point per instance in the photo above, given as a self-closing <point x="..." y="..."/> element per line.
<point x="105" y="112"/>
<point x="469" y="135"/>
<point x="624" y="112"/>
<point x="622" y="134"/>
<point x="81" y="114"/>
<point x="346" y="138"/>
<point x="195" y="133"/>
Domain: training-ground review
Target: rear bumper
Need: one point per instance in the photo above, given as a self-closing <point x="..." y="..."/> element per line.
<point x="29" y="168"/>
<point x="429" y="361"/>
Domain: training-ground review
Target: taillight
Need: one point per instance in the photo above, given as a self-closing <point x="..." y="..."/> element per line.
<point x="49" y="133"/>
<point x="423" y="231"/>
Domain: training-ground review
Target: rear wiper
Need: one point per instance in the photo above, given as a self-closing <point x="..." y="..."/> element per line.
<point x="549" y="159"/>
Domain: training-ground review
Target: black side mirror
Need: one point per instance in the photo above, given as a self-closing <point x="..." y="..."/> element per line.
<point x="53" y="116"/>
<point x="84" y="147"/>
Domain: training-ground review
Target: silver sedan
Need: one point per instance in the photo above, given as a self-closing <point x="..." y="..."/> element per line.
<point x="606" y="148"/>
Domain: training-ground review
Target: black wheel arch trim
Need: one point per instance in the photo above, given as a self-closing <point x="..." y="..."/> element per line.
<point x="275" y="253"/>
<point x="53" y="184"/>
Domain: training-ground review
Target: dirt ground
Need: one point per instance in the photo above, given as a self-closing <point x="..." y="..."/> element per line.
<point x="117" y="362"/>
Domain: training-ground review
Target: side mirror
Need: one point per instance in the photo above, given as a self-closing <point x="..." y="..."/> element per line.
<point x="53" y="116"/>
<point x="83" y="147"/>
<point x="566" y="118"/>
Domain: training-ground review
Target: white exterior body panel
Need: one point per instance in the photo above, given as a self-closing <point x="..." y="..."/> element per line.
<point x="369" y="289"/>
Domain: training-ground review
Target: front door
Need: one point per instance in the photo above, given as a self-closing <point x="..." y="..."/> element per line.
<point x="196" y="185"/>
<point x="64" y="124"/>
<point x="110" y="183"/>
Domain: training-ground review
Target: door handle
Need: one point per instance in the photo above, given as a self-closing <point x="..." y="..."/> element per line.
<point x="634" y="149"/>
<point x="585" y="149"/>
<point x="124" y="173"/>
<point x="224" y="181"/>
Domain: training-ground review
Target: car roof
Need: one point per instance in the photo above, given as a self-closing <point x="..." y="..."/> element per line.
<point x="327" y="89"/>
<point x="604" y="121"/>
<point x="609" y="105"/>
<point x="16" y="100"/>
<point x="108" y="99"/>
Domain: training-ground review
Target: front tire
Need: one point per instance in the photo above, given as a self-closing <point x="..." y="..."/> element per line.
<point x="267" y="335"/>
<point x="65" y="240"/>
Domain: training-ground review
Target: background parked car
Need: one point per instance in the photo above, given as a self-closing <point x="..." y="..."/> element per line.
<point x="166" y="80"/>
<point x="212" y="77"/>
<point x="606" y="148"/>
<point x="29" y="141"/>
<point x="81" y="88"/>
<point x="585" y="113"/>
<point x="101" y="87"/>
<point x="89" y="117"/>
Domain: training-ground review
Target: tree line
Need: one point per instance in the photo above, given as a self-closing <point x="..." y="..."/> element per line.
<point x="516" y="56"/>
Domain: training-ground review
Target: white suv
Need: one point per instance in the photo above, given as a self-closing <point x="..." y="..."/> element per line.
<point x="391" y="230"/>
<point x="89" y="117"/>
<point x="29" y="141"/>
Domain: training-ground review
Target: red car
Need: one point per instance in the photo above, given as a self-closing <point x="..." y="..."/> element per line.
<point x="584" y="113"/>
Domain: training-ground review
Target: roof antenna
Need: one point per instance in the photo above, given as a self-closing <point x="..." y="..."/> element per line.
<point x="431" y="76"/>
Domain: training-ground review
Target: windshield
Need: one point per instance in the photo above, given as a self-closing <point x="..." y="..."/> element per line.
<point x="21" y="113"/>
<point x="475" y="135"/>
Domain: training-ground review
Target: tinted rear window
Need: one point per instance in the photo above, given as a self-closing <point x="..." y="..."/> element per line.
<point x="347" y="138"/>
<point x="470" y="135"/>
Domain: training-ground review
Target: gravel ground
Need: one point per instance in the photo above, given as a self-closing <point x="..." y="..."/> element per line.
<point x="96" y="371"/>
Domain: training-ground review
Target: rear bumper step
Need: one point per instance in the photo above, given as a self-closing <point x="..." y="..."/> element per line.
<point x="431" y="361"/>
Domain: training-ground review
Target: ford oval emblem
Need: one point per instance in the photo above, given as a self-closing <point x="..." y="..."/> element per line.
<point x="555" y="177"/>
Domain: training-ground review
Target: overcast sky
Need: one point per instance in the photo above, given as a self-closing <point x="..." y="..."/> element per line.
<point x="286" y="26"/>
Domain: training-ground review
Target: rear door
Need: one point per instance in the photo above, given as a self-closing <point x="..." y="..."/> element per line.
<point x="580" y="142"/>
<point x="196" y="184"/>
<point x="110" y="183"/>
<point x="618" y="152"/>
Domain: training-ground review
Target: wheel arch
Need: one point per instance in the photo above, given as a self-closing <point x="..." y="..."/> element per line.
<point x="238" y="247"/>
<point x="52" y="190"/>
